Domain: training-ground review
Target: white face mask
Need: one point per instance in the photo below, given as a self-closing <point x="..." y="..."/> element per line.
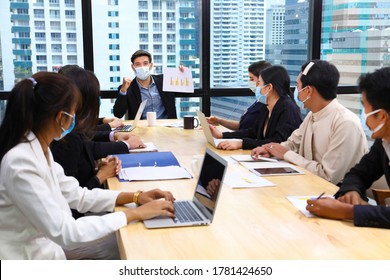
<point x="379" y="127"/>
<point x="142" y="72"/>
<point x="252" y="86"/>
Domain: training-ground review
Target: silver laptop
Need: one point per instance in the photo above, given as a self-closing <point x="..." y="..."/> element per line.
<point x="207" y="132"/>
<point x="138" y="116"/>
<point x="201" y="209"/>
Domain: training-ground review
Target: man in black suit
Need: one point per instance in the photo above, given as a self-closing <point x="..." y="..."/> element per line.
<point x="144" y="86"/>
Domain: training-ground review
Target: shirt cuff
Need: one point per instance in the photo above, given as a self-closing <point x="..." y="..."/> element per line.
<point x="112" y="136"/>
<point x="122" y="93"/>
<point x="127" y="144"/>
<point x="289" y="156"/>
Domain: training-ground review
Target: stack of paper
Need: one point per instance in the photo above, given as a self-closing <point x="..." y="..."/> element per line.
<point x="246" y="180"/>
<point x="147" y="173"/>
<point x="300" y="202"/>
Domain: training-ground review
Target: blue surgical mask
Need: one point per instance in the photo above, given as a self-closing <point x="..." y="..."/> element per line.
<point x="301" y="105"/>
<point x="252" y="86"/>
<point x="379" y="127"/>
<point x="142" y="72"/>
<point x="67" y="131"/>
<point x="261" y="97"/>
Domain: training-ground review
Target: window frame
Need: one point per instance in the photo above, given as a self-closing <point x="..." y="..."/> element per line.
<point x="204" y="92"/>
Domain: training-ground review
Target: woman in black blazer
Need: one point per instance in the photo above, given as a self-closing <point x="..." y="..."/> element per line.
<point x="77" y="152"/>
<point x="277" y="120"/>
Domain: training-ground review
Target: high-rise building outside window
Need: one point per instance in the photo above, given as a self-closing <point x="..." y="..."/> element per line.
<point x="163" y="28"/>
<point x="38" y="35"/>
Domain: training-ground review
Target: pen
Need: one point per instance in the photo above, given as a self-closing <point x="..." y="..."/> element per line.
<point x="246" y="180"/>
<point x="320" y="196"/>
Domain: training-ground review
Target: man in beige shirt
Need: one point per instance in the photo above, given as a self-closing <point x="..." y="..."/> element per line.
<point x="330" y="140"/>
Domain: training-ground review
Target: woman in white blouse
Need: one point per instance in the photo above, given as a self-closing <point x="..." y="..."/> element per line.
<point x="35" y="195"/>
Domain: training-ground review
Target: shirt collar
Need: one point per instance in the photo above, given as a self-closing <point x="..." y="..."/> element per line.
<point x="151" y="84"/>
<point x="325" y="111"/>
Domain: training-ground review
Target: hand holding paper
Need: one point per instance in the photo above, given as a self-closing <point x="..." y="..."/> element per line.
<point x="178" y="81"/>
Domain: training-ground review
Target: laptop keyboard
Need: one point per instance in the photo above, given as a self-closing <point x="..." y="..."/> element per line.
<point x="185" y="213"/>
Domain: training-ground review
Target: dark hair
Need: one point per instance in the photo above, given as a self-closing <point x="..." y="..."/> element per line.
<point x="66" y="68"/>
<point x="324" y="76"/>
<point x="279" y="78"/>
<point x="31" y="105"/>
<point x="140" y="53"/>
<point x="256" y="67"/>
<point x="88" y="114"/>
<point x="376" y="85"/>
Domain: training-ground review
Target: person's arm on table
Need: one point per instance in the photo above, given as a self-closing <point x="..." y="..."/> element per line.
<point x="151" y="204"/>
<point x="230" y="124"/>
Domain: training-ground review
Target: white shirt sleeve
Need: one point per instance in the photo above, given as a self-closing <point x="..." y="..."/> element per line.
<point x="344" y="149"/>
<point x="44" y="197"/>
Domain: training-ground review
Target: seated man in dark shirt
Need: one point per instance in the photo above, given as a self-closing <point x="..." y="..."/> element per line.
<point x="144" y="86"/>
<point x="351" y="201"/>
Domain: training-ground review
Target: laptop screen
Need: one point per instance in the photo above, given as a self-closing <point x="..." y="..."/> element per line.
<point x="210" y="180"/>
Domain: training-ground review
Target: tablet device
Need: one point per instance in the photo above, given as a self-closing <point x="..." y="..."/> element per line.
<point x="276" y="171"/>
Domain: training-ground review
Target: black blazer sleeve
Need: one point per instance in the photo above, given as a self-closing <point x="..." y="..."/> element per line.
<point x="102" y="149"/>
<point x="285" y="118"/>
<point x="76" y="160"/>
<point x="103" y="127"/>
<point x="371" y="216"/>
<point x="101" y="136"/>
<point x="370" y="168"/>
<point x="252" y="114"/>
<point x="128" y="102"/>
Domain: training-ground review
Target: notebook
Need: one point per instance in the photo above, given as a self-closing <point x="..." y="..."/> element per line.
<point x="130" y="127"/>
<point x="151" y="166"/>
<point x="205" y="198"/>
<point x="207" y="132"/>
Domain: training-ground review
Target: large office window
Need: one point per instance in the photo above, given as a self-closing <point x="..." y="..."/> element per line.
<point x="37" y="35"/>
<point x="356" y="38"/>
<point x="246" y="31"/>
<point x="164" y="28"/>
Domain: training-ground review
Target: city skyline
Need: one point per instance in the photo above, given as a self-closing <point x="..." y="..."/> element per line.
<point x="41" y="35"/>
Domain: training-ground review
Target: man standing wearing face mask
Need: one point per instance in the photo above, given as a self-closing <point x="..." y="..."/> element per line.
<point x="144" y="87"/>
<point x="330" y="140"/>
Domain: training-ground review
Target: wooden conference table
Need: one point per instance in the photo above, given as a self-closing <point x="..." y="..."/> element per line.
<point x="252" y="223"/>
